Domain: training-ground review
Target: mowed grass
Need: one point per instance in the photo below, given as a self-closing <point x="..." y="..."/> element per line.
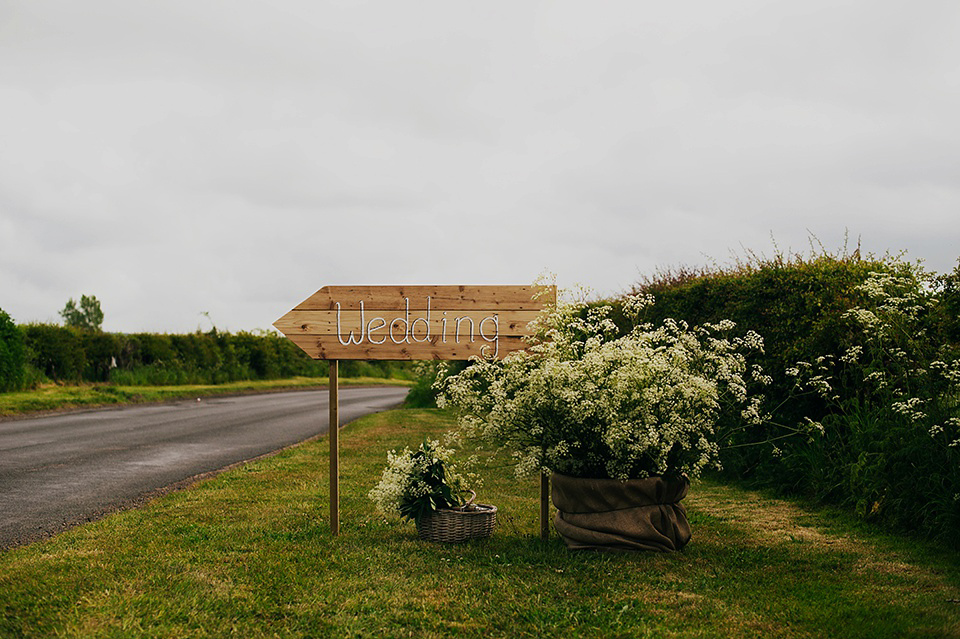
<point x="56" y="397"/>
<point x="249" y="554"/>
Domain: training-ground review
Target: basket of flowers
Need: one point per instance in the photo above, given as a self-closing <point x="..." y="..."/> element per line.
<point x="426" y="486"/>
<point x="453" y="525"/>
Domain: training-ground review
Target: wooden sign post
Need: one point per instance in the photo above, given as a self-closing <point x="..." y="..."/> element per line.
<point x="411" y="323"/>
<point x="334" y="421"/>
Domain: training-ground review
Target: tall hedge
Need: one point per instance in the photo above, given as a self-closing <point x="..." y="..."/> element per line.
<point x="12" y="354"/>
<point x="864" y="362"/>
<point x="57" y="352"/>
<point x="66" y="354"/>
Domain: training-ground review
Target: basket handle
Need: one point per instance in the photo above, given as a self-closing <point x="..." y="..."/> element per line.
<point x="469" y="503"/>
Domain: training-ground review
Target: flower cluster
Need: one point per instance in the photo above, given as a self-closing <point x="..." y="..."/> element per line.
<point x="416" y="482"/>
<point x="586" y="402"/>
<point x="892" y="368"/>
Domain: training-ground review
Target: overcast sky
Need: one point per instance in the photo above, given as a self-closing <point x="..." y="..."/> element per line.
<point x="181" y="157"/>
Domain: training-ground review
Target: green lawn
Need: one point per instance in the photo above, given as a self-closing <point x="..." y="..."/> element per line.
<point x="248" y="554"/>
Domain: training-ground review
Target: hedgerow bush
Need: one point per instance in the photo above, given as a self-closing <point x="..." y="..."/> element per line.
<point x="100" y="351"/>
<point x="891" y="435"/>
<point x="12" y="354"/>
<point x="795" y="304"/>
<point x="426" y="386"/>
<point x="56" y="351"/>
<point x="211" y="358"/>
<point x="863" y="359"/>
<point x="69" y="355"/>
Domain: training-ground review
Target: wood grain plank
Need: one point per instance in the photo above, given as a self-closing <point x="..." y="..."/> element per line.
<point x="415" y="322"/>
<point x="324" y="349"/>
<point x="444" y="297"/>
<point x="441" y="322"/>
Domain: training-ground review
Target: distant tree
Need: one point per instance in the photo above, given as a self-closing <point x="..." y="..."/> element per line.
<point x="12" y="354"/>
<point x="88" y="316"/>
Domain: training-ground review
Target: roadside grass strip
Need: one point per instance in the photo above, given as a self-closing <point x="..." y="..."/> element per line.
<point x="248" y="554"/>
<point x="56" y="397"/>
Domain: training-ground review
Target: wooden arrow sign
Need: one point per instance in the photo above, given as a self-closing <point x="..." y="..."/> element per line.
<point x="410" y="322"/>
<point x="414" y="322"/>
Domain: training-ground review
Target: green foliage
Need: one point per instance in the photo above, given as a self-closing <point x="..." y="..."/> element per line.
<point x="416" y="483"/>
<point x="423" y="393"/>
<point x="892" y="428"/>
<point x="861" y="351"/>
<point x="66" y="354"/>
<point x="101" y="352"/>
<point x="948" y="310"/>
<point x="209" y="358"/>
<point x="440" y="494"/>
<point x="56" y="351"/>
<point x="373" y="368"/>
<point x="87" y="316"/>
<point x="12" y="354"/>
<point x="796" y="304"/>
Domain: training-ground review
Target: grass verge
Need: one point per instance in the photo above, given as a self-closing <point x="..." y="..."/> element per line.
<point x="248" y="554"/>
<point x="55" y="397"/>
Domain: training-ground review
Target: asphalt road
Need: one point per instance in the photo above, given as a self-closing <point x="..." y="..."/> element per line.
<point x="62" y="470"/>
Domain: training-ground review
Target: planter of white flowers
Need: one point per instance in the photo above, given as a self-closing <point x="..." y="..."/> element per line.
<point x="621" y="420"/>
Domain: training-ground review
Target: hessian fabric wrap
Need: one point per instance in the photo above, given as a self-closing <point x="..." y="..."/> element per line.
<point x="613" y="514"/>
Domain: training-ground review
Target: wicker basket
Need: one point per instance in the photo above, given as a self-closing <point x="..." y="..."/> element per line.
<point x="455" y="525"/>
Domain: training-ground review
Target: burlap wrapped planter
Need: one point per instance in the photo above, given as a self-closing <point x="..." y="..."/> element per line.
<point x="610" y="514"/>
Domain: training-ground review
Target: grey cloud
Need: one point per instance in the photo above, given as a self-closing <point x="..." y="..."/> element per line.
<point x="181" y="157"/>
